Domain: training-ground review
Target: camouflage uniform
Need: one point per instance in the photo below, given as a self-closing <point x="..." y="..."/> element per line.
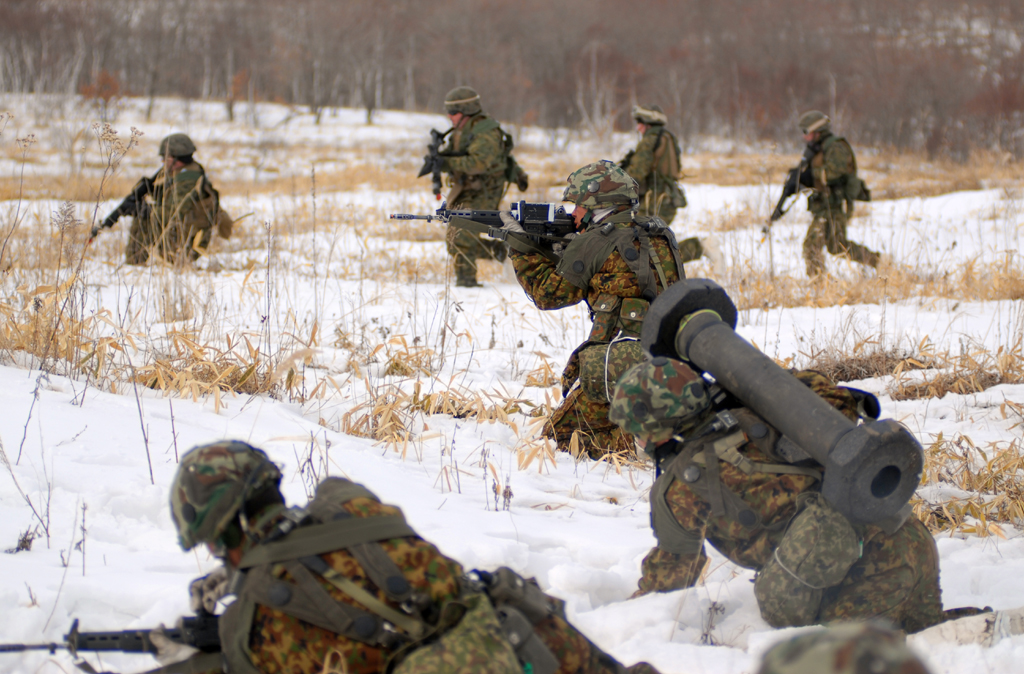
<point x="172" y="214"/>
<point x="617" y="266"/>
<point x="764" y="513"/>
<point x="655" y="165"/>
<point x="836" y="187"/>
<point x="477" y="159"/>
<point x="858" y="648"/>
<point x="323" y="583"/>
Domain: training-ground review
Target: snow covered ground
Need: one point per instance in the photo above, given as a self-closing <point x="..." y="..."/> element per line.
<point x="79" y="452"/>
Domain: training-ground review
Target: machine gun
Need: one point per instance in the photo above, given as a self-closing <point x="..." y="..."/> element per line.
<point x="199" y="632"/>
<point x="798" y="176"/>
<point x="432" y="160"/>
<point x="543" y="225"/>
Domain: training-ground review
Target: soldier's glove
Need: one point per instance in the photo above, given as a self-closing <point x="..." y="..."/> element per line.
<point x="169" y="652"/>
<point x="523" y="181"/>
<point x="713" y="251"/>
<point x="510" y="224"/>
<point x="559" y="248"/>
<point x="205" y="592"/>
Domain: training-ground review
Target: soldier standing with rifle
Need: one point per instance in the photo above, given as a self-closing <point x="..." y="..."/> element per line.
<point x="829" y="169"/>
<point x="174" y="212"/>
<point x="655" y="165"/>
<point x="479" y="163"/>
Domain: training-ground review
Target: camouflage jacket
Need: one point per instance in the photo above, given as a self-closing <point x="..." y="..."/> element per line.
<point x="276" y="640"/>
<point x="654" y="164"/>
<point x="612" y="290"/>
<point x="262" y="638"/>
<point x="187" y="198"/>
<point x="757" y="505"/>
<point x="475" y="159"/>
<point x="832" y="167"/>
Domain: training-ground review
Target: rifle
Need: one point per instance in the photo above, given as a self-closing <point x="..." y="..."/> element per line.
<point x="432" y="160"/>
<point x="544" y="225"/>
<point x="199" y="632"/>
<point x="134" y="205"/>
<point x="798" y="176"/>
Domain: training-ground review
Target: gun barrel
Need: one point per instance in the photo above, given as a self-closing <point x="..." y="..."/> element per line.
<point x="21" y="648"/>
<point x="409" y="216"/>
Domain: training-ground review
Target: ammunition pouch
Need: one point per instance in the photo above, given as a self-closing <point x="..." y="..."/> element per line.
<point x="816" y="552"/>
<point x="469" y="627"/>
<point x="671" y="536"/>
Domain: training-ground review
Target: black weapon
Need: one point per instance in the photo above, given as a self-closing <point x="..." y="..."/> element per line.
<point x="543" y="225"/>
<point x="798" y="176"/>
<point x="199" y="632"/>
<point x="871" y="470"/>
<point x="432" y="160"/>
<point x="134" y="205"/>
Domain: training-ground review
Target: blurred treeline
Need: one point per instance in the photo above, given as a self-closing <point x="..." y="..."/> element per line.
<point x="944" y="76"/>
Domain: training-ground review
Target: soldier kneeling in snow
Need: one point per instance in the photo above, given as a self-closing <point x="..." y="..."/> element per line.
<point x="174" y="212"/>
<point x="724" y="478"/>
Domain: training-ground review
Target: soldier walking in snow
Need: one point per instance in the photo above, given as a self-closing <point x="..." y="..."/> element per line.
<point x="835" y="187"/>
<point x="655" y="165"/>
<point x="479" y="163"/>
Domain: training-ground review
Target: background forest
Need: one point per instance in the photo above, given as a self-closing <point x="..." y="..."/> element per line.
<point x="943" y="76"/>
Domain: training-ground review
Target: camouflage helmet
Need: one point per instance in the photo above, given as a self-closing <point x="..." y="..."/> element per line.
<point x="177" y="145"/>
<point x="814" y="120"/>
<point x="462" y="99"/>
<point x="602" y="183"/>
<point x="861" y="648"/>
<point x="651" y="115"/>
<point x="212" y="483"/>
<point x="657" y="399"/>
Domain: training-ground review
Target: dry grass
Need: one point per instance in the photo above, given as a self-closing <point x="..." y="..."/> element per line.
<point x="994" y="476"/>
<point x="967" y="281"/>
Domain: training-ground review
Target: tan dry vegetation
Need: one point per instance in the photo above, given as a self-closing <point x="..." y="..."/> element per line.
<point x="994" y="475"/>
<point x="968" y="281"/>
<point x="970" y="371"/>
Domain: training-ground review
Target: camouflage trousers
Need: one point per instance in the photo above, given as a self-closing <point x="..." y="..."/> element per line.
<point x="583" y="414"/>
<point x="828" y="230"/>
<point x="466" y="248"/>
<point x="176" y="243"/>
<point x="896" y="578"/>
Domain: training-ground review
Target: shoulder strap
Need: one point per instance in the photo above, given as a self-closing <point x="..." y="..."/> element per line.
<point x="317" y="539"/>
<point x="482" y="125"/>
<point x="587" y="253"/>
<point x="830" y="141"/>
